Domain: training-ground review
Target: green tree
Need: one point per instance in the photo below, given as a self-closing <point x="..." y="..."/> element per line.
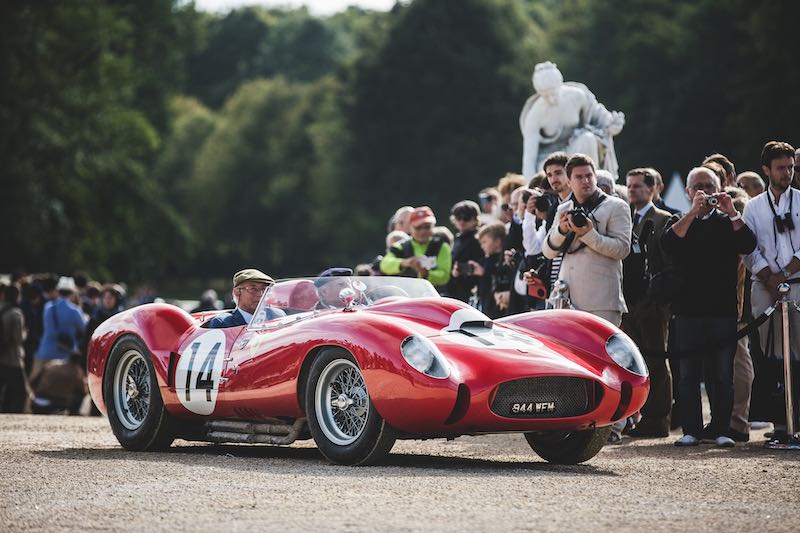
<point x="76" y="146"/>
<point x="435" y="110"/>
<point x="264" y="190"/>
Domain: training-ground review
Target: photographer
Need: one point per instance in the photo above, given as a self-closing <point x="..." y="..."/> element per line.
<point x="705" y="245"/>
<point x="495" y="275"/>
<point x="594" y="234"/>
<point x="423" y="255"/>
<point x="466" y="248"/>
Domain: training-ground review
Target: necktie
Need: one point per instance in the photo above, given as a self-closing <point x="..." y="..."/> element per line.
<point x="636" y="218"/>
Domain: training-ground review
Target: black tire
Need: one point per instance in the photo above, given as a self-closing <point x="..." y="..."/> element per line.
<point x="137" y="416"/>
<point x="357" y="437"/>
<point x="568" y="447"/>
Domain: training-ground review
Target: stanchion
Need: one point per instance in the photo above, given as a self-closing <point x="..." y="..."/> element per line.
<point x="790" y="440"/>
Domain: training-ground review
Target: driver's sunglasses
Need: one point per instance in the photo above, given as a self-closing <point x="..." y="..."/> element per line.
<point x="253" y="290"/>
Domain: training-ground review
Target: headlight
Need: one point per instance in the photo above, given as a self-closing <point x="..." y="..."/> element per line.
<point x="423" y="355"/>
<point x="626" y="354"/>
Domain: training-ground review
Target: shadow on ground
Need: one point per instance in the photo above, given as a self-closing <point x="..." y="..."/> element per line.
<point x="635" y="448"/>
<point x="296" y="461"/>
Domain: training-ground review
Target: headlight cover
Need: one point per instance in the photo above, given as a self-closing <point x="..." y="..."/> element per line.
<point x="626" y="354"/>
<point x="424" y="356"/>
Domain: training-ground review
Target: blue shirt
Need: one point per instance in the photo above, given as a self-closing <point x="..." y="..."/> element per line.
<point x="70" y="322"/>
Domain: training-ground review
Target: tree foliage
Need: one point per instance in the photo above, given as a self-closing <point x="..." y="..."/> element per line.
<point x="147" y="140"/>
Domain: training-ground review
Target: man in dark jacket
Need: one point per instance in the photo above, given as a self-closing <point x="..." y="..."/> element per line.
<point x="248" y="287"/>
<point x="648" y="316"/>
<point x="466" y="247"/>
<point x="705" y="245"/>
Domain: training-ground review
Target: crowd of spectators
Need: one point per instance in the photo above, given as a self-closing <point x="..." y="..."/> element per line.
<point x="679" y="284"/>
<point x="46" y="323"/>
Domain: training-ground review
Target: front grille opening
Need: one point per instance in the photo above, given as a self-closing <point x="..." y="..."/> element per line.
<point x="624" y="401"/>
<point x="546" y="397"/>
<point x="461" y="406"/>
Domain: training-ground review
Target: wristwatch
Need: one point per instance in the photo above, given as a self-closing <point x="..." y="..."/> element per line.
<point x="737" y="216"/>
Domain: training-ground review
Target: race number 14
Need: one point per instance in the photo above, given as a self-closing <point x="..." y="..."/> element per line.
<point x="198" y="374"/>
<point x="203" y="380"/>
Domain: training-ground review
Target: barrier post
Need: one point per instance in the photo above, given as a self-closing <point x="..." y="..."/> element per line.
<point x="790" y="441"/>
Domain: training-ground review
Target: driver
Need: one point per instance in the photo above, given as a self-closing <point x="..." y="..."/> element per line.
<point x="329" y="284"/>
<point x="248" y="287"/>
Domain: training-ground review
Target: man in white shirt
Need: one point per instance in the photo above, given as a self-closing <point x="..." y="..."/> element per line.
<point x="774" y="217"/>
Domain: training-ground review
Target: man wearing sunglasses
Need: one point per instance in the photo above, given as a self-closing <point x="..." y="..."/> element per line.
<point x="248" y="287"/>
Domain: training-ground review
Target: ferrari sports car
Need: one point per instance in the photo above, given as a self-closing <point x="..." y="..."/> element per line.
<point x="358" y="362"/>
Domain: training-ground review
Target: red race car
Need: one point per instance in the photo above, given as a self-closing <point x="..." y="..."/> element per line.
<point x="358" y="362"/>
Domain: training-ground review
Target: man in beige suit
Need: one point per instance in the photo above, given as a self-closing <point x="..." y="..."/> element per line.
<point x="595" y="248"/>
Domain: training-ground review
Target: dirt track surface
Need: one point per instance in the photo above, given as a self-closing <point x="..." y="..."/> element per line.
<point x="68" y="473"/>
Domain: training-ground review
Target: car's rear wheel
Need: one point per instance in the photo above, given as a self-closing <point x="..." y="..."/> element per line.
<point x="568" y="447"/>
<point x="343" y="422"/>
<point x="135" y="409"/>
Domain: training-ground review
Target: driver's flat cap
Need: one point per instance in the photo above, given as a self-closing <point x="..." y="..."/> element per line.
<point x="251" y="274"/>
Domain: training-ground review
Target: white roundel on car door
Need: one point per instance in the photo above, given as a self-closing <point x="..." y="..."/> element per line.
<point x="198" y="372"/>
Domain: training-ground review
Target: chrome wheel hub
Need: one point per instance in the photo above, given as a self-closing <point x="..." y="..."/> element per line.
<point x="132" y="386"/>
<point x="342" y="402"/>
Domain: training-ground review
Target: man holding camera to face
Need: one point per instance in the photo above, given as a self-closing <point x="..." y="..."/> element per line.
<point x="593" y="231"/>
<point x="773" y="218"/>
<point x="705" y="245"/>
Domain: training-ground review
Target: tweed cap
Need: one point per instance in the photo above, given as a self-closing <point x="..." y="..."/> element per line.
<point x="251" y="274"/>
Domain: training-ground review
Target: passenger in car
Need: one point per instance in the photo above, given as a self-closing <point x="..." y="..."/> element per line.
<point x="248" y="287"/>
<point x="329" y="283"/>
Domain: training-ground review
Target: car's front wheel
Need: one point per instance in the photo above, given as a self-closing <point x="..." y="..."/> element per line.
<point x="568" y="447"/>
<point x="135" y="409"/>
<point x="344" y="423"/>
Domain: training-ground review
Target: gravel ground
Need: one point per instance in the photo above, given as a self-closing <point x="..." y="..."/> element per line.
<point x="68" y="473"/>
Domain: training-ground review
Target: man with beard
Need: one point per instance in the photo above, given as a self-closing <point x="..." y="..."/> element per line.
<point x="773" y="217"/>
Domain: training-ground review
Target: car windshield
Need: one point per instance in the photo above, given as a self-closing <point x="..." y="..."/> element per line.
<point x="308" y="295"/>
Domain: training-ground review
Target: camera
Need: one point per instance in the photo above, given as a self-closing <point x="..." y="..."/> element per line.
<point x="465" y="267"/>
<point x="712" y="201"/>
<point x="546" y="202"/>
<point x="580" y="216"/>
<point x="427" y="262"/>
<point x="526" y="195"/>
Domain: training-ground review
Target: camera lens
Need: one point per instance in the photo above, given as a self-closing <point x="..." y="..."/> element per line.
<point x="578" y="218"/>
<point x="712" y="201"/>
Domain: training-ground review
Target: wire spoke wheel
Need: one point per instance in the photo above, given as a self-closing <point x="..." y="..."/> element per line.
<point x="342" y="403"/>
<point x="132" y="389"/>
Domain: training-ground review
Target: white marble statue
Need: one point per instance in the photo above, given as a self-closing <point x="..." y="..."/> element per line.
<point x="566" y="117"/>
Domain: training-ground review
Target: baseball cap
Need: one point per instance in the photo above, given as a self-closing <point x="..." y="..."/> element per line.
<point x="251" y="274"/>
<point x="422" y="215"/>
